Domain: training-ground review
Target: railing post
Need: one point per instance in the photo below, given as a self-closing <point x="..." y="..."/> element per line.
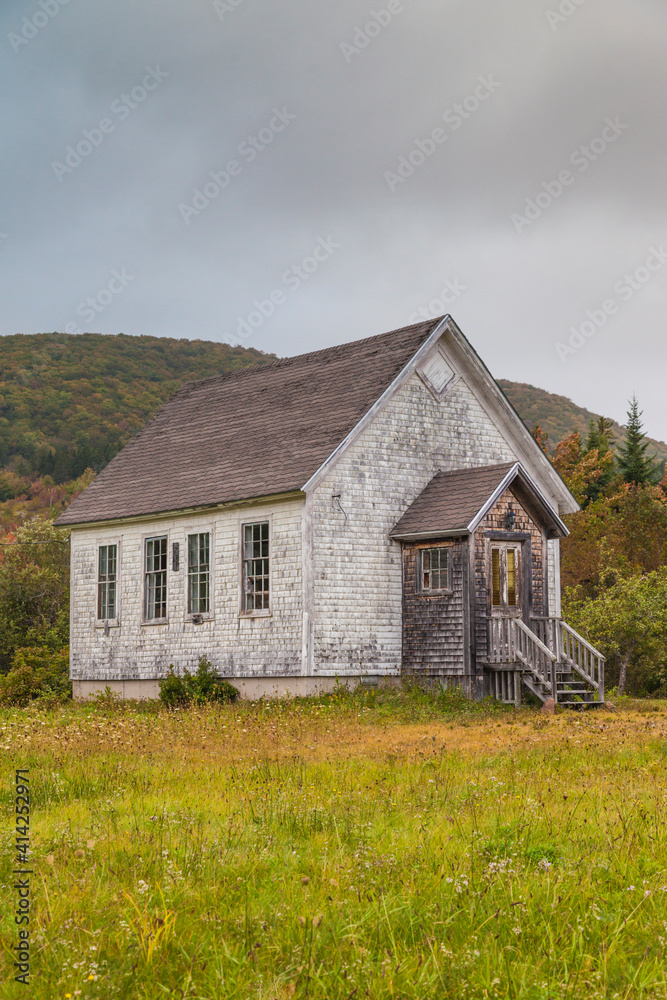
<point x="554" y="680"/>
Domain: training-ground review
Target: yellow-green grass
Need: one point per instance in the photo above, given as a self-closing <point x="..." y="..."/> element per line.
<point x="382" y="845"/>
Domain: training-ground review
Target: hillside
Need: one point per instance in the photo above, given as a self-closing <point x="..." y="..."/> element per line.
<point x="69" y="403"/>
<point x="558" y="416"/>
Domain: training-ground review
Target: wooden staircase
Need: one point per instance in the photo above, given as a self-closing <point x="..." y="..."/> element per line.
<point x="550" y="658"/>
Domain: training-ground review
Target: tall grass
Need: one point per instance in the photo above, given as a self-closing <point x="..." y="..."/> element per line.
<point x="382" y="845"/>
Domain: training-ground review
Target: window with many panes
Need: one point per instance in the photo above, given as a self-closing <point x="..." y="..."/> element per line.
<point x="156" y="578"/>
<point x="256" y="566"/>
<point x="107" y="569"/>
<point x="199" y="574"/>
<point x="435" y="569"/>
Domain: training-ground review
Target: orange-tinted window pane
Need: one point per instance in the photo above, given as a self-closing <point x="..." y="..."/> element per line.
<point x="495" y="577"/>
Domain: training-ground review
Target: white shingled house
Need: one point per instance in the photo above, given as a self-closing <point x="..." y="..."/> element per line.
<point x="356" y="513"/>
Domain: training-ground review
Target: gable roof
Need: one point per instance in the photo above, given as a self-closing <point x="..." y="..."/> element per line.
<point x="455" y="502"/>
<point x="255" y="432"/>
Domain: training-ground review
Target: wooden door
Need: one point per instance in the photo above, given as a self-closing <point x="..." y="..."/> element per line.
<point x="506" y="578"/>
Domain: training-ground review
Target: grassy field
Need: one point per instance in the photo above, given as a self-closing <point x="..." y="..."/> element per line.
<point x="381" y="845"/>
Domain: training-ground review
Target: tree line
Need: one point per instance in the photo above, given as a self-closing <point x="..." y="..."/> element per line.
<point x="614" y="562"/>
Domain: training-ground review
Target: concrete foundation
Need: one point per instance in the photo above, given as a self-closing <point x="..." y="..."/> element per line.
<point x="249" y="688"/>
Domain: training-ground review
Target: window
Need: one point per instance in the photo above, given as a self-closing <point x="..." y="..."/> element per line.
<point x="199" y="574"/>
<point x="435" y="570"/>
<point x="256" y="566"/>
<point x="156" y="578"/>
<point x="106" y="582"/>
<point x="505" y="577"/>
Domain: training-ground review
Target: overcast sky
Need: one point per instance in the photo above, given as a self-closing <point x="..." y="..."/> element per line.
<point x="407" y="141"/>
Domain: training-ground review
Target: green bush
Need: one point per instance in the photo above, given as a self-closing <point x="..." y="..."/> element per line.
<point x="36" y="672"/>
<point x="198" y="688"/>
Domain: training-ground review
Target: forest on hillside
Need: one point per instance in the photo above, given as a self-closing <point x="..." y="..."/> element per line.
<point x="69" y="403"/>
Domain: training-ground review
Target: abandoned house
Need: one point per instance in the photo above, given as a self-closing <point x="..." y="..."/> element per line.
<point x="351" y="514"/>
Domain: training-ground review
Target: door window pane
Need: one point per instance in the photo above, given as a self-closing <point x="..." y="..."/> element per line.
<point x="511" y="577"/>
<point x="495" y="577"/>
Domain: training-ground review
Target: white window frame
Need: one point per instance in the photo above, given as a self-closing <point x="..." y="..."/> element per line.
<point x="205" y="615"/>
<point x="153" y="536"/>
<point x="255" y="612"/>
<point x="115" y="621"/>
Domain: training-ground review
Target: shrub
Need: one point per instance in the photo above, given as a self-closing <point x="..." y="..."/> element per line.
<point x="198" y="688"/>
<point x="36" y="673"/>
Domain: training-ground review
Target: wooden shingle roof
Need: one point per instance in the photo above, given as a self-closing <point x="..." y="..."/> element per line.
<point x="258" y="431"/>
<point x="454" y="502"/>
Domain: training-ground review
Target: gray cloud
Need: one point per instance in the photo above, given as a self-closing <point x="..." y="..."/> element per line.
<point x="323" y="176"/>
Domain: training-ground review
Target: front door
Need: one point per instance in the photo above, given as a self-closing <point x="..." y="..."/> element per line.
<point x="505" y="576"/>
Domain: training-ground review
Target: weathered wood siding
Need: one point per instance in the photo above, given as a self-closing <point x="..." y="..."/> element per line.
<point x="534" y="564"/>
<point x="237" y="645"/>
<point x="357" y="590"/>
<point x="434" y="624"/>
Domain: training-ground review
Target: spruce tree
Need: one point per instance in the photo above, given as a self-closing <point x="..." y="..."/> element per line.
<point x="636" y="466"/>
<point x="600" y="435"/>
<point x="601" y="440"/>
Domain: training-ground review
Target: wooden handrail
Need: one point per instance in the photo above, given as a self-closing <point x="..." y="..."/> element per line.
<point x="535" y="639"/>
<point x="584" y="642"/>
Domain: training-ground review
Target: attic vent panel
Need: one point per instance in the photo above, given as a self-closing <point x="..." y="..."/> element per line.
<point x="437" y="375"/>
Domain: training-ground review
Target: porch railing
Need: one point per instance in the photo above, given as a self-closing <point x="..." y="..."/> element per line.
<point x="511" y="641"/>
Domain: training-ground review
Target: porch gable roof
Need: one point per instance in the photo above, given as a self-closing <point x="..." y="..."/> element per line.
<point x="456" y="501"/>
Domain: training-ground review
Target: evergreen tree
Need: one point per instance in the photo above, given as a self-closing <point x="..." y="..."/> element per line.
<point x="600" y="435"/>
<point x="636" y="466"/>
<point x="601" y="442"/>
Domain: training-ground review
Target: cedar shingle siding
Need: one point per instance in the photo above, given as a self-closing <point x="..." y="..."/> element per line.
<point x="349" y="464"/>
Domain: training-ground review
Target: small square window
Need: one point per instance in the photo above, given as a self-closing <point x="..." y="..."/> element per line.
<point x="435" y="570"/>
<point x="255" y="571"/>
<point x="107" y="569"/>
<point x="199" y="573"/>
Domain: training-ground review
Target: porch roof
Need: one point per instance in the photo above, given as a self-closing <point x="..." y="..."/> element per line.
<point x="455" y="502"/>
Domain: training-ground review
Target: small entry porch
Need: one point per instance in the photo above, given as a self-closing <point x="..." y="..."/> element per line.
<point x="481" y="591"/>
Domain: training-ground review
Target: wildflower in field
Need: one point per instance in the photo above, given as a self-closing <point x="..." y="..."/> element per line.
<point x="544" y="865"/>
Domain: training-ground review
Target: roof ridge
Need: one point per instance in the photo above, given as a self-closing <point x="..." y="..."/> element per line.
<point x="292" y="359"/>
